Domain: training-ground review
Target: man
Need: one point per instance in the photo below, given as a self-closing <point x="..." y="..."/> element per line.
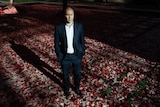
<point x="70" y="48"/>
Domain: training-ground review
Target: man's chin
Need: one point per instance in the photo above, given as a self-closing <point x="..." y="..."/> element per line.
<point x="69" y="21"/>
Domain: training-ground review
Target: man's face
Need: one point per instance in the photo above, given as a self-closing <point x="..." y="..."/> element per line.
<point x="69" y="15"/>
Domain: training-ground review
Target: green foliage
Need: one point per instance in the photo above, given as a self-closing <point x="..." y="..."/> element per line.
<point x="105" y="92"/>
<point x="119" y="79"/>
<point x="124" y="75"/>
<point x="136" y="94"/>
<point x="143" y="83"/>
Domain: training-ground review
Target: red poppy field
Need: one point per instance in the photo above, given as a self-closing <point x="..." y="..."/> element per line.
<point x="116" y="72"/>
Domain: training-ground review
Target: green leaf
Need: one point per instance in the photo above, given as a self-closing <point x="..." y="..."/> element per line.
<point x="136" y="94"/>
<point x="143" y="83"/>
<point x="106" y="91"/>
<point x="124" y="74"/>
<point x="119" y="79"/>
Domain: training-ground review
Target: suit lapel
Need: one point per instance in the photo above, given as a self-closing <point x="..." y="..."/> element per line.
<point x="64" y="35"/>
<point x="64" y="31"/>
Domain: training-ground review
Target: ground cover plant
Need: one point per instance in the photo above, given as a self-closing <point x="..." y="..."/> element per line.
<point x="114" y="72"/>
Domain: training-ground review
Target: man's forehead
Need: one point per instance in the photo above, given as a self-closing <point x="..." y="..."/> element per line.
<point x="69" y="10"/>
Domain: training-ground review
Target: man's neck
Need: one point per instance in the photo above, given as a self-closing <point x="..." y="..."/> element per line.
<point x="69" y="24"/>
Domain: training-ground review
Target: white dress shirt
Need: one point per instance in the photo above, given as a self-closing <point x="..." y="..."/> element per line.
<point x="69" y="34"/>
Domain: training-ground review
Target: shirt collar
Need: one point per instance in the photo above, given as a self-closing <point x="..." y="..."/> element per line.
<point x="69" y="25"/>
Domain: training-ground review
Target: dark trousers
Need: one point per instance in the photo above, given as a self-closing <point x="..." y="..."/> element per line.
<point x="69" y="61"/>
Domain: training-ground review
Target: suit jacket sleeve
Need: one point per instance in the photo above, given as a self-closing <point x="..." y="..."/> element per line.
<point x="82" y="40"/>
<point x="57" y="43"/>
<point x="79" y="42"/>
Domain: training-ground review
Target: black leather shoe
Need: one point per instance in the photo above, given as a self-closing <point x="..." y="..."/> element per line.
<point x="78" y="92"/>
<point x="67" y="94"/>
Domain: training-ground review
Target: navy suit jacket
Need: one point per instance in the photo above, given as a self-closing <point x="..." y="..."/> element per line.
<point x="60" y="40"/>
